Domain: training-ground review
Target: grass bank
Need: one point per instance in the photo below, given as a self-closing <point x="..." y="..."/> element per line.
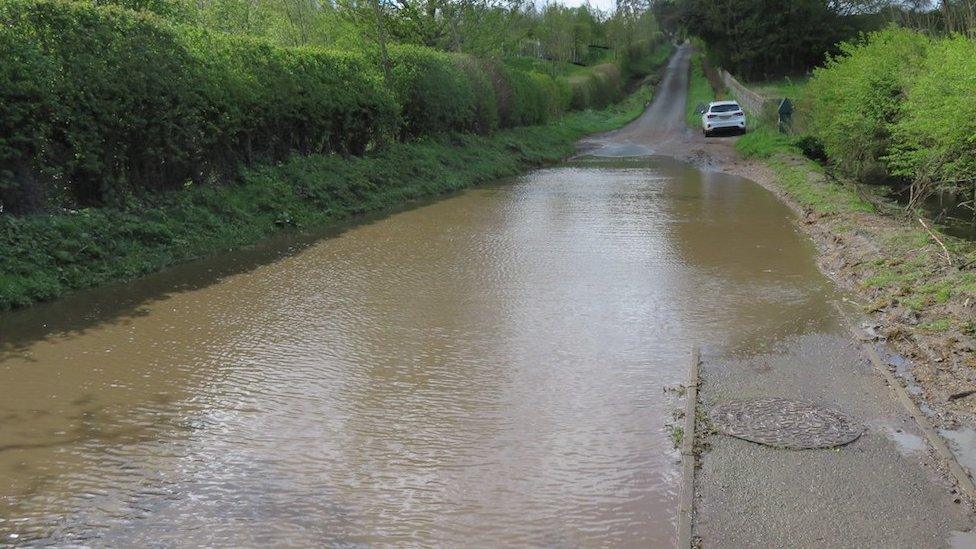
<point x="918" y="284"/>
<point x="699" y="91"/>
<point x="46" y="255"/>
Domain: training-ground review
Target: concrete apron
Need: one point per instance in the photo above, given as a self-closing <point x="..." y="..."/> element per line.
<point x="885" y="489"/>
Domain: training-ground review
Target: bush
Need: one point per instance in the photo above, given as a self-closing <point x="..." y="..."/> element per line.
<point x="535" y="99"/>
<point x="27" y="104"/>
<point x="643" y="57"/>
<point x="596" y="88"/>
<point x="434" y="93"/>
<point x="128" y="106"/>
<point x="934" y="137"/>
<point x="486" y="109"/>
<point x="852" y="103"/>
<point x="266" y="102"/>
<point x="109" y="102"/>
<point x="100" y="103"/>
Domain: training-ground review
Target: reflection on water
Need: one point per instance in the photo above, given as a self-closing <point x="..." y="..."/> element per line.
<point x="485" y="370"/>
<point x="954" y="212"/>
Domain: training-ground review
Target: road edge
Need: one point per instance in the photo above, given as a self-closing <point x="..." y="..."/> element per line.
<point x="686" y="498"/>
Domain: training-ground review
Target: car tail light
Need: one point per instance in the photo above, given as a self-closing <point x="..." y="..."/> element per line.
<point x="711" y="116"/>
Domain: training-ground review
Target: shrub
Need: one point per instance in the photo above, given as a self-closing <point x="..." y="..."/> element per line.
<point x="100" y="103"/>
<point x="266" y="102"/>
<point x="434" y="93"/>
<point x="597" y="87"/>
<point x="934" y="138"/>
<point x="108" y="102"/>
<point x="535" y="99"/>
<point x="642" y="57"/>
<point x="27" y="103"/>
<point x="128" y="106"/>
<point x="486" y="111"/>
<point x="852" y="102"/>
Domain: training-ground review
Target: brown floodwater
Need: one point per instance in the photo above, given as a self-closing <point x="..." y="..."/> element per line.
<point x="487" y="369"/>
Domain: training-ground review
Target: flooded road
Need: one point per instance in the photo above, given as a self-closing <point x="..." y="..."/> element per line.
<point x="488" y="369"/>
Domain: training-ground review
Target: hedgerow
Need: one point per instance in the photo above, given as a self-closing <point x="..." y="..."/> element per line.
<point x="105" y="103"/>
<point x="46" y="255"/>
<point x="600" y="86"/>
<point x="100" y="104"/>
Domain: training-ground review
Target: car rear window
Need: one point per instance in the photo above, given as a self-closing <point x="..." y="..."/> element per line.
<point x="725" y="108"/>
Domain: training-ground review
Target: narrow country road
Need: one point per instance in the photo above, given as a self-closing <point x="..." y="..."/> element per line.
<point x="497" y="368"/>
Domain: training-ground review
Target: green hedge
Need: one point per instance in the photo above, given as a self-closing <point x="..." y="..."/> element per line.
<point x="603" y="84"/>
<point x="46" y="255"/>
<point x="434" y="92"/>
<point x="451" y="92"/>
<point x="643" y="57"/>
<point x="100" y="104"/>
<point x="597" y="87"/>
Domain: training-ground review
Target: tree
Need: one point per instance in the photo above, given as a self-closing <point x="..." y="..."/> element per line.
<point x="764" y="38"/>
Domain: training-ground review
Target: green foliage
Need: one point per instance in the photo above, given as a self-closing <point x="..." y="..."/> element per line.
<point x="934" y="135"/>
<point x="434" y="92"/>
<point x="122" y="102"/>
<point x="603" y="84"/>
<point x="758" y="39"/>
<point x="485" y="95"/>
<point x="699" y="92"/>
<point x="530" y="104"/>
<point x="853" y="101"/>
<point x="176" y="10"/>
<point x="125" y="96"/>
<point x="27" y="104"/>
<point x="598" y="87"/>
<point x="644" y="57"/>
<point x="48" y="255"/>
<point x="898" y="103"/>
<point x="102" y="104"/>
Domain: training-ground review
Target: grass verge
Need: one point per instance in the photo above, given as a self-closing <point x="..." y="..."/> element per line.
<point x="45" y="256"/>
<point x="699" y="91"/>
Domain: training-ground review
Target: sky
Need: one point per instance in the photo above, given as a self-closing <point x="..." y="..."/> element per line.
<point x="604" y="5"/>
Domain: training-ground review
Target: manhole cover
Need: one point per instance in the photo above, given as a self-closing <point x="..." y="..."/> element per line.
<point x="785" y="423"/>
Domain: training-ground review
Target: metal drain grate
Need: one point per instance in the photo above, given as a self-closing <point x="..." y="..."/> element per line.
<point x="794" y="424"/>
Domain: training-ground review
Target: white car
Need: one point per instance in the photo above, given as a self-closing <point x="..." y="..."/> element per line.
<point x="723" y="115"/>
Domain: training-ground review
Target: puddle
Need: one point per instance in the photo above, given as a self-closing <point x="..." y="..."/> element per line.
<point x="908" y="443"/>
<point x="963" y="444"/>
<point x="902" y="368"/>
<point x="962" y="540"/>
